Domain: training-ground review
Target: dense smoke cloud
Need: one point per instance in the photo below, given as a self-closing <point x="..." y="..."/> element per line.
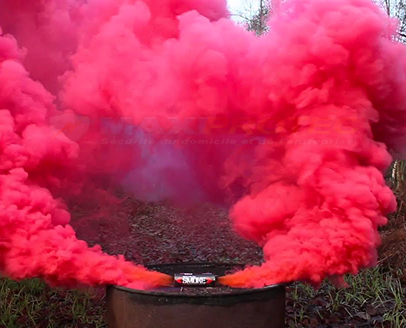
<point x="292" y="131"/>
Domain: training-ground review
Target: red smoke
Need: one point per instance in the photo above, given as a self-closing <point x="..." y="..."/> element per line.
<point x="35" y="237"/>
<point x="311" y="111"/>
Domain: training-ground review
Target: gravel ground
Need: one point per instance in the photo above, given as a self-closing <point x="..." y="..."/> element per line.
<point x="159" y="233"/>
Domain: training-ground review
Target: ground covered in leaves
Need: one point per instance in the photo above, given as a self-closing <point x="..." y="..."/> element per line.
<point x="158" y="233"/>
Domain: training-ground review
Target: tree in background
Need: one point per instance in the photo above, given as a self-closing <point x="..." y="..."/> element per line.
<point x="397" y="9"/>
<point x="258" y="22"/>
<point x="255" y="15"/>
<point x="397" y="172"/>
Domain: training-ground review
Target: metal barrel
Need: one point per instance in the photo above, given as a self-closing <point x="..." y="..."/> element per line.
<point x="208" y="308"/>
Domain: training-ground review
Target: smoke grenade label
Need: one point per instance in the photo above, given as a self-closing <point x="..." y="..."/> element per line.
<point x="190" y="279"/>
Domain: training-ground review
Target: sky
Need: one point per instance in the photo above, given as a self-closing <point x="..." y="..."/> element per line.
<point x="245" y="7"/>
<point x="235" y="5"/>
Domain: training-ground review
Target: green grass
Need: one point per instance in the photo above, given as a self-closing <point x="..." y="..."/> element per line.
<point x="32" y="304"/>
<point x="375" y="298"/>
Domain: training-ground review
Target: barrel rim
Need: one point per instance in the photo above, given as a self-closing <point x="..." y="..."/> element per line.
<point x="236" y="291"/>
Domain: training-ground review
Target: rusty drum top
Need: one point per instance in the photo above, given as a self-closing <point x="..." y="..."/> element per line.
<point x="196" y="307"/>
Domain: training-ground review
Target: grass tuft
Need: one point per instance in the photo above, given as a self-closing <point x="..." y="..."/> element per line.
<point x="374" y="298"/>
<point x="32" y="304"/>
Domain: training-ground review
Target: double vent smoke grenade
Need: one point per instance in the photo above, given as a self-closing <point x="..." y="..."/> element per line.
<point x="191" y="279"/>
